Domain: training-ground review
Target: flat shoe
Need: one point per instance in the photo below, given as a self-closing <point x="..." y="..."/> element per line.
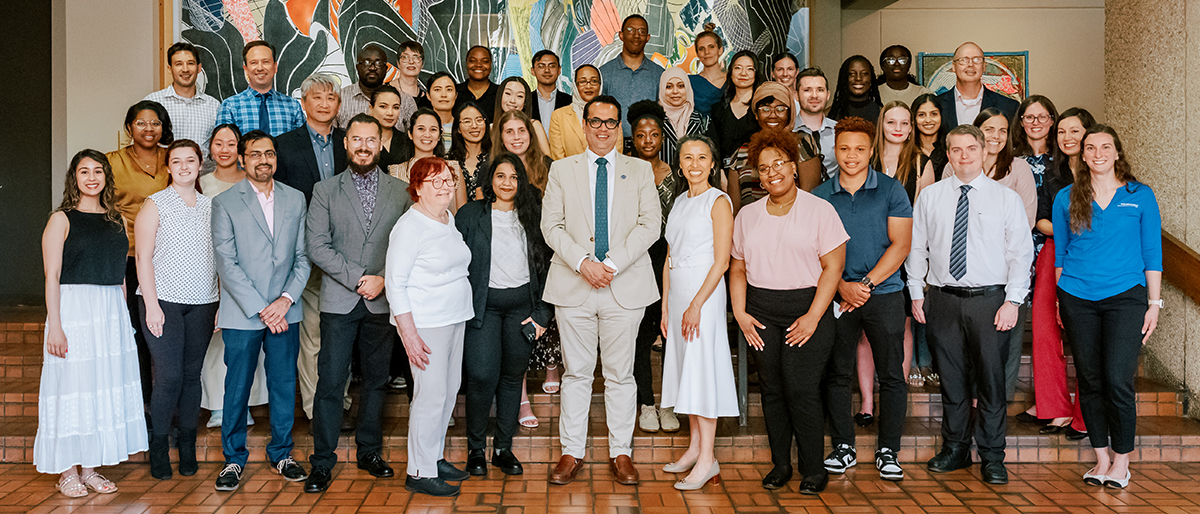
<point x="96" y="482"/>
<point x="1117" y="483"/>
<point x="1026" y="417"/>
<point x="1092" y="479"/>
<point x="71" y="487"/>
<point x="1075" y="435"/>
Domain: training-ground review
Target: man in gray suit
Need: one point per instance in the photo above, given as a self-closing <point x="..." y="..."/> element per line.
<point x="258" y="238"/>
<point x="349" y="221"/>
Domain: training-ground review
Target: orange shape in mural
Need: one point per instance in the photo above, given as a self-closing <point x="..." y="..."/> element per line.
<point x="404" y="9"/>
<point x="605" y="21"/>
<point x="301" y="13"/>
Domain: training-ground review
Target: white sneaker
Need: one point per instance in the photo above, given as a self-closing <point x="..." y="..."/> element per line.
<point x="667" y="420"/>
<point x="249" y="418"/>
<point x="887" y="464"/>
<point x="648" y="421"/>
<point x="840" y="459"/>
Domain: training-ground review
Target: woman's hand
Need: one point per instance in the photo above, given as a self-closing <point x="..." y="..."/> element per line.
<point x="691" y="323"/>
<point x="664" y="323"/>
<point x="538" y="330"/>
<point x="1150" y="324"/>
<point x="155" y="319"/>
<point x="414" y="347"/>
<point x="750" y="327"/>
<point x="802" y="329"/>
<point x="56" y="342"/>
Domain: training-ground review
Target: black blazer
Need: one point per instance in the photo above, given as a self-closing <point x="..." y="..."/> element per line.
<point x="296" y="164"/>
<point x="561" y="99"/>
<point x="474" y="221"/>
<point x="990" y="99"/>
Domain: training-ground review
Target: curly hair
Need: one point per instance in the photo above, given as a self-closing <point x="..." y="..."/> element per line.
<point x="424" y="169"/>
<point x="854" y="124"/>
<point x="108" y="196"/>
<point x="777" y="138"/>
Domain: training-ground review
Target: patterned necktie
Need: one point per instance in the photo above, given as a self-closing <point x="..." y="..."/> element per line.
<point x="264" y="118"/>
<point x="958" y="245"/>
<point x="601" y="208"/>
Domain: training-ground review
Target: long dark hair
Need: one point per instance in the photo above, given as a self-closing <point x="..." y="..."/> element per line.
<point x="927" y="98"/>
<point x="729" y="91"/>
<point x="1060" y="163"/>
<point x="527" y="108"/>
<point x="528" y="204"/>
<point x="1004" y="159"/>
<point x="841" y="95"/>
<point x="161" y="112"/>
<point x="458" y="144"/>
<point x="108" y="196"/>
<point x="410" y="150"/>
<point x="538" y="171"/>
<point x="1081" y="192"/>
<point x="1016" y="131"/>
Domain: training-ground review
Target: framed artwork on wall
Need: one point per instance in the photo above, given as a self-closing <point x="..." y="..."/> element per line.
<point x="1004" y="72"/>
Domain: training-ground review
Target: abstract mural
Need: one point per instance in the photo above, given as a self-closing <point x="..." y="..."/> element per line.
<point x="324" y="35"/>
<point x="1004" y="72"/>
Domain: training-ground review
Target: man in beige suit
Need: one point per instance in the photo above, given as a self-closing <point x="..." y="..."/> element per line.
<point x="600" y="214"/>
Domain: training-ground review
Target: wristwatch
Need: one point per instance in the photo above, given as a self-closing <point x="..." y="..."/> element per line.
<point x="1159" y="302"/>
<point x="1014" y="302"/>
<point x="866" y="281"/>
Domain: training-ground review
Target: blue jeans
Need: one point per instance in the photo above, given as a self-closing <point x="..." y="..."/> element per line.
<point x="241" y="359"/>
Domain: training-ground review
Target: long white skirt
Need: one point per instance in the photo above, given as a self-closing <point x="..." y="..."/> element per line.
<point x="90" y="409"/>
<point x="697" y="375"/>
<point x="212" y="377"/>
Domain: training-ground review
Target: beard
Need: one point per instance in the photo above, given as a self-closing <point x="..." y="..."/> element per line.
<point x="362" y="169"/>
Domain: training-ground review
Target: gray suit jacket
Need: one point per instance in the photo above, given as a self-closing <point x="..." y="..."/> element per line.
<point x="256" y="267"/>
<point x="340" y="243"/>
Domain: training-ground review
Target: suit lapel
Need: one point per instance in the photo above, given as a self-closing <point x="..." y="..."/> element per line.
<point x="250" y="198"/>
<point x="310" y="157"/>
<point x="351" y="193"/>
<point x="580" y="177"/>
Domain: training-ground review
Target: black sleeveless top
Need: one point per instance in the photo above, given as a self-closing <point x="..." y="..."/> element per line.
<point x="94" y="252"/>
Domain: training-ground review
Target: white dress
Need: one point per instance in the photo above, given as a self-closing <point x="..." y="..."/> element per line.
<point x="697" y="375"/>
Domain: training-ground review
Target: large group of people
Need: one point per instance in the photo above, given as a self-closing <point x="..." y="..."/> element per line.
<point x="445" y="236"/>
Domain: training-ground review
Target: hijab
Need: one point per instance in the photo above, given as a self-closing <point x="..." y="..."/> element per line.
<point x="677" y="116"/>
<point x="577" y="102"/>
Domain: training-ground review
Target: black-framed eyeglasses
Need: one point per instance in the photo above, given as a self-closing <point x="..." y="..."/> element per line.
<point x="609" y="123"/>
<point x="894" y="61"/>
<point x="1041" y="118"/>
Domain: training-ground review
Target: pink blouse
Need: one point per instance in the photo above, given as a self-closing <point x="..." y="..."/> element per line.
<point x="784" y="252"/>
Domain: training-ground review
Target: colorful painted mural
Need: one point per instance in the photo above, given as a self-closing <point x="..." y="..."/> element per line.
<point x="1004" y="72"/>
<point x="324" y="35"/>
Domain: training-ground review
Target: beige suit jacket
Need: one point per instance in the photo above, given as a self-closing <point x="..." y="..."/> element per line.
<point x="569" y="227"/>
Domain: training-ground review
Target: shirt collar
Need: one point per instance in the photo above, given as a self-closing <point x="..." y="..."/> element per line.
<point x="367" y="179"/>
<point x="958" y="97"/>
<point x="316" y="136"/>
<point x="621" y="62"/>
<point x="611" y="156"/>
<point x="871" y="183"/>
<point x="268" y="94"/>
<point x="974" y="183"/>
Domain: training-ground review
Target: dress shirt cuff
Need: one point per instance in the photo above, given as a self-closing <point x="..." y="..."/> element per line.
<point x="609" y="262"/>
<point x="916" y="292"/>
<point x="580" y="263"/>
<point x="289" y="297"/>
<point x="1015" y="295"/>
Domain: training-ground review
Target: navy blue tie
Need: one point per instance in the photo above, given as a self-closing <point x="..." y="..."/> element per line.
<point x="264" y="118"/>
<point x="958" y="244"/>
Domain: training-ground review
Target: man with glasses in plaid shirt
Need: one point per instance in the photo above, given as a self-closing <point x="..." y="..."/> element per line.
<point x="260" y="106"/>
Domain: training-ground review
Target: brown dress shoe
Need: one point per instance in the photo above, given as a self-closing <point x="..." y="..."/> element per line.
<point x="623" y="470"/>
<point x="566" y="470"/>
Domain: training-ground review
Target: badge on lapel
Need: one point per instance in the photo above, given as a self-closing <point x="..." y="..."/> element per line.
<point x="622" y="176"/>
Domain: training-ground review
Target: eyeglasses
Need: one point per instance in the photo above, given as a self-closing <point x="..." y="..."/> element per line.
<point x="779" y="109"/>
<point x="609" y="123"/>
<point x="969" y="60"/>
<point x="269" y="154"/>
<point x="1030" y="119"/>
<point x="588" y="82"/>
<point x="409" y="58"/>
<point x="143" y="124"/>
<point x="439" y="182"/>
<point x="544" y="65"/>
<point x="893" y="61"/>
<point x="374" y="63"/>
<point x="636" y="32"/>
<point x="777" y="166"/>
<point x="369" y="141"/>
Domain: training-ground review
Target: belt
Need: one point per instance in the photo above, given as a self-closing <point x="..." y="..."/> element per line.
<point x="967" y="292"/>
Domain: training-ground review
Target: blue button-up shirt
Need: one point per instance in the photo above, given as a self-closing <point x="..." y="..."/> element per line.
<point x="323" y="150"/>
<point x="241" y="109"/>
<point x="629" y="85"/>
<point x="865" y="215"/>
<point x="1123" y="243"/>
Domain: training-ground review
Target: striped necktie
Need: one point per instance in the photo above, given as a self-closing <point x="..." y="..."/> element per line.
<point x="958" y="245"/>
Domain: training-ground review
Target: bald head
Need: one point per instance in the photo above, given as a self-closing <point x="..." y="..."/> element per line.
<point x="968" y="66"/>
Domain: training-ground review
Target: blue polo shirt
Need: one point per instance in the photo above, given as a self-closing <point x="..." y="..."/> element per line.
<point x="865" y="215"/>
<point x="629" y="85"/>
<point x="1124" y="242"/>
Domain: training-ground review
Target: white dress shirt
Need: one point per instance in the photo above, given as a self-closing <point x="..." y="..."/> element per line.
<point x="967" y="108"/>
<point x="610" y="169"/>
<point x="999" y="249"/>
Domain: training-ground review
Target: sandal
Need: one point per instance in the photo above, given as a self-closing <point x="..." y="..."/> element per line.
<point x="529" y="421"/>
<point x="547" y="386"/>
<point x="933" y="379"/>
<point x="916" y="379"/>
<point x="96" y="482"/>
<point x="71" y="487"/>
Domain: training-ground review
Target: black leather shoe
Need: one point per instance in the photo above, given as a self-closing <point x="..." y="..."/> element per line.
<point x="864" y="419"/>
<point x="814" y="484"/>
<point x="318" y="481"/>
<point x="507" y="462"/>
<point x="290" y="470"/>
<point x="777" y="478"/>
<point x="1052" y="429"/>
<point x="951" y="458"/>
<point x="430" y="486"/>
<point x="1026" y="417"/>
<point x="375" y="465"/>
<point x="1075" y="435"/>
<point x="476" y="463"/>
<point x="447" y="471"/>
<point x="994" y="472"/>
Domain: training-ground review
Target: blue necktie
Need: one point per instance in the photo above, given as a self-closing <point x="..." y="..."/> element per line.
<point x="601" y="208"/>
<point x="264" y="118"/>
<point x="958" y="244"/>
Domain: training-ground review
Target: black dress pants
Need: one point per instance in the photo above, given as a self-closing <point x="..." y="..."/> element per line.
<point x="648" y="331"/>
<point x="178" y="356"/>
<point x="882" y="318"/>
<point x="495" y="357"/>
<point x="340" y="334"/>
<point x="790" y="376"/>
<point x="1106" y="338"/>
<point x="969" y="354"/>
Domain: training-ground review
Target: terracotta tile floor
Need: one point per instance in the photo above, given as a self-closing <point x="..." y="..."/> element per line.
<point x="1172" y="488"/>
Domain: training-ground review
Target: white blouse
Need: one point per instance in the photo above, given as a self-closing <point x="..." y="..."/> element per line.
<point x="426" y="271"/>
<point x="509" y="266"/>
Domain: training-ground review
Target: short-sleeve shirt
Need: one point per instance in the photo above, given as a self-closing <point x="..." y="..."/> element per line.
<point x="784" y="252"/>
<point x="1123" y="243"/>
<point x="628" y="85"/>
<point x="865" y="215"/>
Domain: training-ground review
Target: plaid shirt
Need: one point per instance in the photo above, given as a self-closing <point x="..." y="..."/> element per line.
<point x="191" y="118"/>
<point x="354" y="102"/>
<point x="242" y="109"/>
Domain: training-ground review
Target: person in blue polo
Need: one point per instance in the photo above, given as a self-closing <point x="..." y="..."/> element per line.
<point x="632" y="75"/>
<point x="878" y="216"/>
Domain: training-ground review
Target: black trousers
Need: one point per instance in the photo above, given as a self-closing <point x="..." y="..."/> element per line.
<point x="139" y="336"/>
<point x="969" y="354"/>
<point x="178" y="356"/>
<point x="789" y="377"/>
<point x="495" y="357"/>
<point x="649" y="330"/>
<point x="1106" y="338"/>
<point x="340" y="334"/>
<point x="882" y="318"/>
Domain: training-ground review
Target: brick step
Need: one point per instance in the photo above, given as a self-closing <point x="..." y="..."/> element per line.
<point x="1160" y="438"/>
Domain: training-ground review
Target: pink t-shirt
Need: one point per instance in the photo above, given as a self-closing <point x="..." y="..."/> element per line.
<point x="784" y="252"/>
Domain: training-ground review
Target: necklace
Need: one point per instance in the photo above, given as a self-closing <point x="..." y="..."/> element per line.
<point x="139" y="161"/>
<point x="780" y="206"/>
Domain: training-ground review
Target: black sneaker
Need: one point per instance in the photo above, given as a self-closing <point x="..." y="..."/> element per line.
<point x="230" y="477"/>
<point x="447" y="471"/>
<point x="431" y="486"/>
<point x="840" y="459"/>
<point x="888" y="466"/>
<point x="289" y="470"/>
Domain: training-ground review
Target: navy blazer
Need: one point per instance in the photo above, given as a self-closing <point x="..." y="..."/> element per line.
<point x="474" y="221"/>
<point x="990" y="99"/>
<point x="296" y="164"/>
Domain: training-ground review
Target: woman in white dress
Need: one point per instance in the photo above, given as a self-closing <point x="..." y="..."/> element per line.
<point x="697" y="368"/>
<point x="90" y="409"/>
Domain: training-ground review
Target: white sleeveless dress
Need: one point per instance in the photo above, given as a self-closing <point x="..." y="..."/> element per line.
<point x="697" y="375"/>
